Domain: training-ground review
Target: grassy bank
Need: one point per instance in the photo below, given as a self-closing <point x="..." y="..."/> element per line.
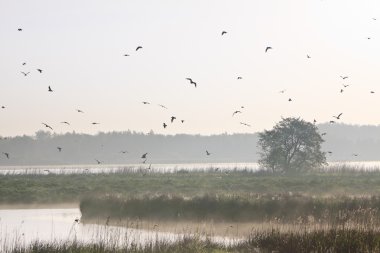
<point x="71" y="188"/>
<point x="283" y="208"/>
<point x="333" y="241"/>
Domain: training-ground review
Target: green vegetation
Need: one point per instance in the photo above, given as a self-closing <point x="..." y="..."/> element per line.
<point x="293" y="145"/>
<point x="261" y="208"/>
<point x="331" y="240"/>
<point x="74" y="187"/>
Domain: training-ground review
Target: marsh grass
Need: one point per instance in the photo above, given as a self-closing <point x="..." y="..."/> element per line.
<point x="302" y="241"/>
<point x="58" y="188"/>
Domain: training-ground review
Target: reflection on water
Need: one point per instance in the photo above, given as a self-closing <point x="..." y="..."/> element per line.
<point x="109" y="168"/>
<point x="23" y="226"/>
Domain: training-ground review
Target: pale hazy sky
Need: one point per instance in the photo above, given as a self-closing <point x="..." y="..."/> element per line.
<point x="79" y="45"/>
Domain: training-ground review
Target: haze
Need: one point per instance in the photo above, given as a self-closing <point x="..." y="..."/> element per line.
<point x="80" y="47"/>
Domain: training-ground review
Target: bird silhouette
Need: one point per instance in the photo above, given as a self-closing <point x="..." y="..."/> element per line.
<point x="49" y="89"/>
<point x="39" y="70"/>
<point x="345" y="85"/>
<point x="164" y="125"/>
<point x="224" y="32"/>
<point x="99" y="162"/>
<point x="25" y="74"/>
<point x="126" y="55"/>
<point x="19" y="29"/>
<point x="267" y="48"/>
<point x="372" y="92"/>
<point x="191" y="81"/>
<point x="344" y="77"/>
<point x="239" y="78"/>
<point x="172" y="119"/>
<point x="332" y="122"/>
<point x="139" y="47"/>
<point x="308" y="56"/>
<point x="182" y="120"/>
<point x="65" y="122"/>
<point x="47" y="126"/>
<point x="146" y="103"/>
<point x="338" y="117"/>
<point x="341" y="90"/>
<point x="323" y="134"/>
<point x="314" y="121"/>
<point x="355" y="154"/>
<point x="76" y="220"/>
<point x="78" y="110"/>
<point x="163" y="106"/>
<point x="144" y="156"/>
<point x="24" y="63"/>
<point x="2" y="107"/>
<point x="95" y="123"/>
<point x="330" y="152"/>
<point x="235" y="112"/>
<point x="124" y="151"/>
<point x="374" y="19"/>
<point x="282" y="91"/>
<point x="245" y="124"/>
<point x="208" y="153"/>
<point x="6" y="154"/>
<point x="59" y="149"/>
<point x="290" y="100"/>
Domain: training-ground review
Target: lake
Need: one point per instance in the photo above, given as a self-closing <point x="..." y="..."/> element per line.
<point x="23" y="226"/>
<point x="112" y="168"/>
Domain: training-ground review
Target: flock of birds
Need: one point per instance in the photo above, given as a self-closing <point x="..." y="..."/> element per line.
<point x="173" y="118"/>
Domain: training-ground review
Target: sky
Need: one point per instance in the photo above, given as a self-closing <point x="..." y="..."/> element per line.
<point x="80" y="47"/>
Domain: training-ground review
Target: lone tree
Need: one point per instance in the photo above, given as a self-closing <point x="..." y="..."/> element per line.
<point x="292" y="145"/>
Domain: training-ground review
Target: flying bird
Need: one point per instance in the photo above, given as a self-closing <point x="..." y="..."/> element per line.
<point x="24" y="63"/>
<point x="267" y="48"/>
<point x="245" y="124"/>
<point x="163" y="106"/>
<point x="330" y="152"/>
<point x="99" y="162"/>
<point x="164" y="125"/>
<point x="25" y="74"/>
<point x="290" y="100"/>
<point x="182" y="120"/>
<point x="355" y="154"/>
<point x="2" y="107"/>
<point x="124" y="151"/>
<point x="126" y="55"/>
<point x="344" y="77"/>
<point x="39" y="70"/>
<point x="282" y="91"/>
<point x="308" y="56"/>
<point x="19" y="29"/>
<point x="239" y="78"/>
<point x="59" y="149"/>
<point x="192" y="82"/>
<point x="172" y="119"/>
<point x="95" y="123"/>
<point x="338" y="117"/>
<point x="323" y="134"/>
<point x="6" y="154"/>
<point x="65" y="122"/>
<point x="46" y="125"/>
<point x="138" y="48"/>
<point x="49" y="89"/>
<point x="144" y="156"/>
<point x="208" y="153"/>
<point x="77" y="220"/>
<point x="235" y="112"/>
<point x="345" y="85"/>
<point x="78" y="110"/>
<point x="372" y="92"/>
<point x="332" y="122"/>
<point x="146" y="103"/>
<point x="224" y="32"/>
<point x="314" y="121"/>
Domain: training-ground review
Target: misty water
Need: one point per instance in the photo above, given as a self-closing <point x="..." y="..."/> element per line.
<point x="24" y="226"/>
<point x="109" y="168"/>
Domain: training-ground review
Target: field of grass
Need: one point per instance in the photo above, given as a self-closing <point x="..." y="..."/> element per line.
<point x="283" y="208"/>
<point x="332" y="241"/>
<point x="53" y="188"/>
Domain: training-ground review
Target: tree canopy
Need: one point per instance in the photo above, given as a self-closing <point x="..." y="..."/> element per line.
<point x="292" y="145"/>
